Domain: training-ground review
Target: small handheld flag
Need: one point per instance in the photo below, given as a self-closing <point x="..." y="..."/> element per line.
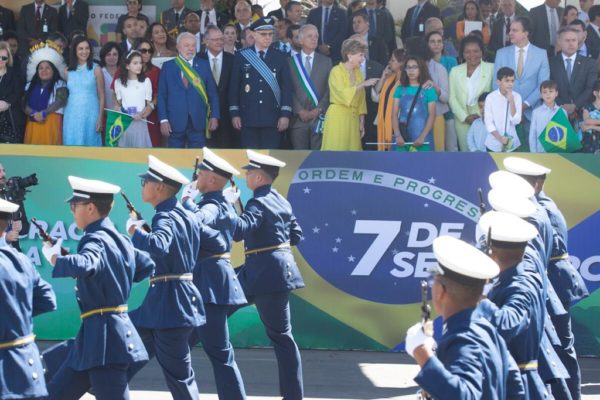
<point x="116" y="124"/>
<point x="558" y="136"/>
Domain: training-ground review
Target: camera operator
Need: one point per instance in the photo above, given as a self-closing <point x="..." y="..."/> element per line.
<point x="13" y="190"/>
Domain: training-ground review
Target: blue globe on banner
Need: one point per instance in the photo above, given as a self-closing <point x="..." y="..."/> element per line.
<point x="556" y="134"/>
<point x="369" y="222"/>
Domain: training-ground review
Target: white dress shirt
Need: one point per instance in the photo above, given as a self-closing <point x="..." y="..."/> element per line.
<point x="525" y="50"/>
<point x="198" y="42"/>
<point x="552" y="13"/>
<point x="212" y="17"/>
<point x="572" y="58"/>
<point x="219" y="58"/>
<point x="498" y="118"/>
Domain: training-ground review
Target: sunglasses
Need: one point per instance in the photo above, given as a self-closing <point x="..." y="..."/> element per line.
<point x="146" y="51"/>
<point x="3" y="58"/>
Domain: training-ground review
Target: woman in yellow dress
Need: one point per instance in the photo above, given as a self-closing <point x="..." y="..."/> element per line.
<point x="344" y="121"/>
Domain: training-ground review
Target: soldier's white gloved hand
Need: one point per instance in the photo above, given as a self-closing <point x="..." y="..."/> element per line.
<point x="415" y="337"/>
<point x="231" y="195"/>
<point x="137" y="223"/>
<point x="50" y="250"/>
<point x="487" y="287"/>
<point x="190" y="191"/>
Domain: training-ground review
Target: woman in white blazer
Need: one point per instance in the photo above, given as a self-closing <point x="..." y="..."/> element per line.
<point x="467" y="82"/>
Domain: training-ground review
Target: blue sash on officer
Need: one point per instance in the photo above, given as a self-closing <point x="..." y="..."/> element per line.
<point x="263" y="69"/>
<point x="309" y="89"/>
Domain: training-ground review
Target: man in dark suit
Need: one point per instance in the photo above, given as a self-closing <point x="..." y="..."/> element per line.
<point x="377" y="49"/>
<point x="221" y="64"/>
<point x="73" y="16"/>
<point x="305" y="113"/>
<point x="36" y="21"/>
<point x="575" y="75"/>
<point x="545" y="19"/>
<point x="593" y="32"/>
<point x="280" y="12"/>
<point x="7" y="21"/>
<point x="580" y="27"/>
<point x="182" y="110"/>
<point x="331" y="22"/>
<point x="210" y="16"/>
<point x="499" y="37"/>
<point x="381" y="24"/>
<point x="174" y="17"/>
<point x="414" y="20"/>
<point x="283" y="43"/>
<point x="243" y="15"/>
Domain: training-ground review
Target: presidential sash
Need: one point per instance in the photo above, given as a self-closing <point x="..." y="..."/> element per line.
<point x="263" y="69"/>
<point x="196" y="81"/>
<point x="309" y="89"/>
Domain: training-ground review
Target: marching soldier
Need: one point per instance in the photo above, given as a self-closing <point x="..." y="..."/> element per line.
<point x="269" y="228"/>
<point x="105" y="267"/>
<point x="471" y="360"/>
<point x="24" y="294"/>
<point x="565" y="278"/>
<point x="213" y="275"/>
<point x="260" y="93"/>
<point x="515" y="305"/>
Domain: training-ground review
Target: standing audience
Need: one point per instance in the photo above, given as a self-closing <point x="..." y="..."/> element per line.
<point x="164" y="45"/>
<point x="11" y="91"/>
<point x="384" y="90"/>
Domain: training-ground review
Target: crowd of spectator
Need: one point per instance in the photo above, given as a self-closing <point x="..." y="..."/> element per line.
<point x="489" y="80"/>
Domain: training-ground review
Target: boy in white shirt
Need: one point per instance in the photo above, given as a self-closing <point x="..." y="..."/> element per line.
<point x="543" y="114"/>
<point x="503" y="113"/>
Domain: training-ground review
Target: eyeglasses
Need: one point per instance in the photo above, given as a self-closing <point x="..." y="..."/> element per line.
<point x="146" y="51"/>
<point x="144" y="181"/>
<point x="410" y="67"/>
<point x="3" y="58"/>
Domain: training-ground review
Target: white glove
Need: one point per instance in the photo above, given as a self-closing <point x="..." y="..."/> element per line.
<point x="487" y="287"/>
<point x="130" y="222"/>
<point x="231" y="195"/>
<point x="415" y="337"/>
<point x="190" y="191"/>
<point x="51" y="250"/>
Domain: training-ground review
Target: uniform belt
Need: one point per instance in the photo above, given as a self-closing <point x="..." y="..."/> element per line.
<point x="105" y="310"/>
<point x="18" y="342"/>
<point x="219" y="256"/>
<point x="165" y="278"/>
<point x="285" y="245"/>
<point x="561" y="257"/>
<point x="528" y="366"/>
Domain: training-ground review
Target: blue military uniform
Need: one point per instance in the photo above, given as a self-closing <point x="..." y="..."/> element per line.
<point x="173" y="306"/>
<point x="260" y="92"/>
<point x="269" y="228"/>
<point x="217" y="281"/>
<point x="105" y="267"/>
<point x="25" y="294"/>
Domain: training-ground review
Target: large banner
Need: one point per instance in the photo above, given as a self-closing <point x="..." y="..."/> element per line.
<point x="368" y="220"/>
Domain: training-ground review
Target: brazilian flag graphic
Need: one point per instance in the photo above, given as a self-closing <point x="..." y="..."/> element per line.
<point x="558" y="136"/>
<point x="410" y="148"/>
<point x="116" y="124"/>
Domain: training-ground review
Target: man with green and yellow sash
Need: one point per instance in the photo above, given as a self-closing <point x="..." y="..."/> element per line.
<point x="188" y="101"/>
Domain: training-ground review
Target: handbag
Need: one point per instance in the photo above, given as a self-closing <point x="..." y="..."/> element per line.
<point x="8" y="130"/>
<point x="404" y="126"/>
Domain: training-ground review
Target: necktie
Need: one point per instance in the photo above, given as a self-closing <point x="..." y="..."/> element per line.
<point x="413" y="20"/>
<point x="215" y="69"/>
<point x="185" y="82"/>
<point x="68" y="13"/>
<point x="372" y="26"/>
<point x="507" y="31"/>
<point x="176" y="18"/>
<point x="308" y="65"/>
<point x="569" y="68"/>
<point x="520" y="63"/>
<point x="325" y="22"/>
<point x="206" y="20"/>
<point x="553" y="28"/>
<point x="38" y="19"/>
<point x="261" y="54"/>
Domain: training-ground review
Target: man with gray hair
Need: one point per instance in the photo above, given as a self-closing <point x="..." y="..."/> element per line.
<point x="188" y="101"/>
<point x="309" y="70"/>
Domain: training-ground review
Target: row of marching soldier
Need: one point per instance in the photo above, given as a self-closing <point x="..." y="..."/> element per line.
<point x="511" y="338"/>
<point x="185" y="252"/>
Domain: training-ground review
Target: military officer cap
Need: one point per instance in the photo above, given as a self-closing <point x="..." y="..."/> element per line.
<point x="504" y="200"/>
<point x="87" y="190"/>
<point x="214" y="163"/>
<point x="264" y="162"/>
<point x="461" y="262"/>
<point x="507" y="230"/>
<point x="159" y="171"/>
<point x="7" y="208"/>
<point x="514" y="183"/>
<point x="522" y="166"/>
<point x="263" y="24"/>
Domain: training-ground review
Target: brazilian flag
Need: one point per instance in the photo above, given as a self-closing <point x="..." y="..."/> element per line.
<point x="558" y="136"/>
<point x="409" y="148"/>
<point x="116" y="124"/>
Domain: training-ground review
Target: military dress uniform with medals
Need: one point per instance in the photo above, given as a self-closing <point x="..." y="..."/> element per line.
<point x="269" y="228"/>
<point x="25" y="294"/>
<point x="217" y="282"/>
<point x="173" y="306"/>
<point x="260" y="92"/>
<point x="105" y="267"/>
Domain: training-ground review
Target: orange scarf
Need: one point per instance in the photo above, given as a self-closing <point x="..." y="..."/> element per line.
<point x="384" y="113"/>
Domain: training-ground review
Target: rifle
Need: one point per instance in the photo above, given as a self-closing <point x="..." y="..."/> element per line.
<point x="195" y="173"/>
<point x="138" y="216"/>
<point x="426" y="310"/>
<point x="47" y="238"/>
<point x="239" y="200"/>
<point x="481" y="202"/>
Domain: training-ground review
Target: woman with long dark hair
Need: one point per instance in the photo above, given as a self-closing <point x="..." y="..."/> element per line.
<point x="152" y="72"/>
<point x="164" y="45"/>
<point x="85" y="108"/>
<point x="384" y="91"/>
<point x="471" y="13"/>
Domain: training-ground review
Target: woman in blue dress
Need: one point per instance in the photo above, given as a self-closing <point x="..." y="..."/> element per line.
<point x="82" y="125"/>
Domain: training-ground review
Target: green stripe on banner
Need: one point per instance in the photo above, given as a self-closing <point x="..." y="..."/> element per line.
<point x="590" y="164"/>
<point x="587" y="329"/>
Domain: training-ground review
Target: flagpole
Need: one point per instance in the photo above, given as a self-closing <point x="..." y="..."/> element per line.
<point x="122" y="113"/>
